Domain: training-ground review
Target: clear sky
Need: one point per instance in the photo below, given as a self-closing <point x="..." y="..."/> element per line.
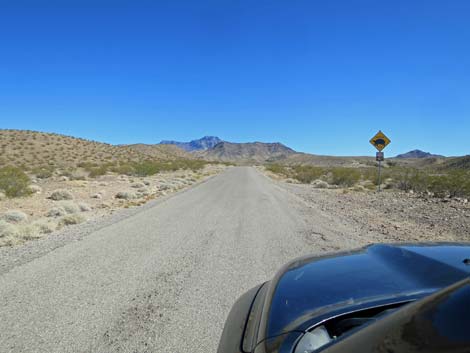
<point x="321" y="76"/>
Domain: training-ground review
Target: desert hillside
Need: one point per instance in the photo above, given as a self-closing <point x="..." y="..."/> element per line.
<point x="31" y="149"/>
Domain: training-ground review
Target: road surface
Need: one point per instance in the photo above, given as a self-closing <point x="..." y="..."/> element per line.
<point x="164" y="279"/>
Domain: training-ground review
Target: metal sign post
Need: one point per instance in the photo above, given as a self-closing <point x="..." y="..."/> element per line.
<point x="380" y="141"/>
<point x="380" y="158"/>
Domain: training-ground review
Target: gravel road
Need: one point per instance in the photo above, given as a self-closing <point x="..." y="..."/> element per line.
<point x="164" y="278"/>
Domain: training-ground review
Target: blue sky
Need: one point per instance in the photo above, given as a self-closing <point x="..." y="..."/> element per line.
<point x="321" y="76"/>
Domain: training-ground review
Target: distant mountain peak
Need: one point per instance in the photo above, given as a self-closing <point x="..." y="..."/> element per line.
<point x="418" y="154"/>
<point x="202" y="144"/>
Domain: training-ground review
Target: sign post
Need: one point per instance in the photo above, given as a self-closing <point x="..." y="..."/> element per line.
<point x="380" y="141"/>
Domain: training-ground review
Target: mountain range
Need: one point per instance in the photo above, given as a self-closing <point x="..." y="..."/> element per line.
<point x="418" y="154"/>
<point x="202" y="144"/>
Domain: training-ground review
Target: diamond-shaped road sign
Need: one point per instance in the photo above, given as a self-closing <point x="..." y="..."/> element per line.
<point x="380" y="141"/>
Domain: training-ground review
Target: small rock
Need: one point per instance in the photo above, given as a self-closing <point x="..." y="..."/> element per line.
<point x="97" y="196"/>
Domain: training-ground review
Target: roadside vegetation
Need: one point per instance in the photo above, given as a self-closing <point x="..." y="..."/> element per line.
<point x="438" y="182"/>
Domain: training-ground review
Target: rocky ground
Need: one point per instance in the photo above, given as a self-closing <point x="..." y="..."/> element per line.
<point x="391" y="215"/>
<point x="58" y="202"/>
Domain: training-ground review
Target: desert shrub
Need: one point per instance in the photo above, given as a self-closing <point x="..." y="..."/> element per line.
<point x="345" y="176"/>
<point x="307" y="174"/>
<point x="277" y="169"/>
<point x="59" y="195"/>
<point x="320" y="184"/>
<point x="44" y="227"/>
<point x="147" y="168"/>
<point x="123" y="169"/>
<point x="7" y="230"/>
<point x="74" y="174"/>
<point x="56" y="212"/>
<point x="43" y="172"/>
<point x="98" y="171"/>
<point x="14" y="182"/>
<point x="454" y="184"/>
<point x="14" y="216"/>
<point x="69" y="206"/>
<point x="411" y="179"/>
<point x="72" y="219"/>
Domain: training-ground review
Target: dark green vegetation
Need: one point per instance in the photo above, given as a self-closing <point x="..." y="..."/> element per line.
<point x="14" y="182"/>
<point x="442" y="181"/>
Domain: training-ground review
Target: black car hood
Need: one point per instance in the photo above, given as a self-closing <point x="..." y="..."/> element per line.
<point x="310" y="289"/>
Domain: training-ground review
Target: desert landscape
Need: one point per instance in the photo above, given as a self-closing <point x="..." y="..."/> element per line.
<point x="50" y="181"/>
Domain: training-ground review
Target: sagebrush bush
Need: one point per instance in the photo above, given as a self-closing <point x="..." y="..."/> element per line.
<point x="14" y="216"/>
<point x="14" y="182"/>
<point x="59" y="195"/>
<point x="69" y="206"/>
<point x="72" y="219"/>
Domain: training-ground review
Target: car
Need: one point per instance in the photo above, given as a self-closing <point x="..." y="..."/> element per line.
<point x="381" y="298"/>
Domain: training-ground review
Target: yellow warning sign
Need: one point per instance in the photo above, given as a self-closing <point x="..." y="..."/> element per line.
<point x="380" y="141"/>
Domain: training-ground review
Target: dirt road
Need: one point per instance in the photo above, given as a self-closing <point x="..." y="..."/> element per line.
<point x="163" y="279"/>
